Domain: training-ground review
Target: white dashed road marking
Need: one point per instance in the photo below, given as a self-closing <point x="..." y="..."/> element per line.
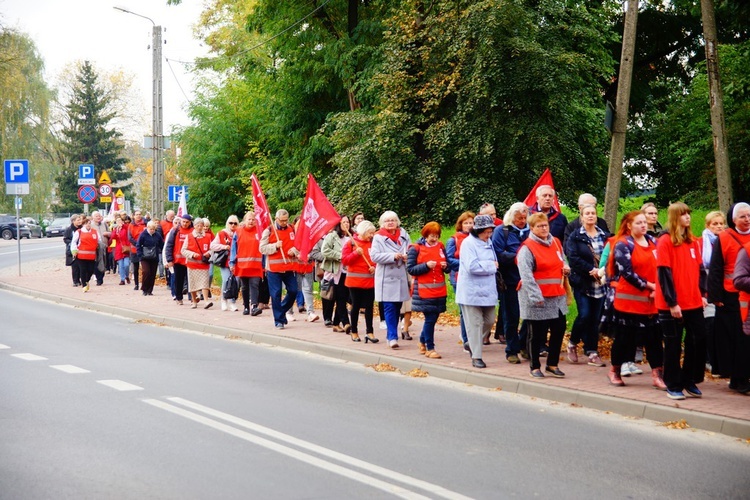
<point x="69" y="369"/>
<point x="3" y="346"/>
<point x="27" y="356"/>
<point x="119" y="385"/>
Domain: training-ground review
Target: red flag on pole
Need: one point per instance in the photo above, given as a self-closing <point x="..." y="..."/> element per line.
<point x="318" y="217"/>
<point x="262" y="213"/>
<point x="182" y="207"/>
<point x="544" y="180"/>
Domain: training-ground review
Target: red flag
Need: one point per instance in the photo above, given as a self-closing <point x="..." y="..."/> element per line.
<point x="182" y="207"/>
<point x="544" y="180"/>
<point x="318" y="217"/>
<point x="262" y="213"/>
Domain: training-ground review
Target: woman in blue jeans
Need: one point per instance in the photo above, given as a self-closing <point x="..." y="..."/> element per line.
<point x="584" y="247"/>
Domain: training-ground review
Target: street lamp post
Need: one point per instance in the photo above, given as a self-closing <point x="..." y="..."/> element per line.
<point x="157" y="128"/>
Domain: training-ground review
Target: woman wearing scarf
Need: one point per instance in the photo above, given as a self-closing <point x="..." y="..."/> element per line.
<point x="388" y="252"/>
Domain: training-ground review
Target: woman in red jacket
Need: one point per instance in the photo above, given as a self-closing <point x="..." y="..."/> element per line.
<point x="680" y="291"/>
<point x="194" y="249"/>
<point x="632" y="264"/>
<point x="360" y="280"/>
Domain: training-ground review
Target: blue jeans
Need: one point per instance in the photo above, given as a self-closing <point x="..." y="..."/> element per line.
<point x="586" y="324"/>
<point x="279" y="306"/>
<point x="123" y="265"/>
<point x="392" y="311"/>
<point x="427" y="337"/>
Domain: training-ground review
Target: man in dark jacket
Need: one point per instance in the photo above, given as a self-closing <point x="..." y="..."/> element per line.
<point x="545" y="201"/>
<point x="76" y="221"/>
<point x="583" y="200"/>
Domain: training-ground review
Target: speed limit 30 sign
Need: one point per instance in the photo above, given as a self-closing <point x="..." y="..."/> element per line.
<point x="105" y="190"/>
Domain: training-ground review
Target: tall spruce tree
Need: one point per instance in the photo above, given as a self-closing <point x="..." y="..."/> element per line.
<point x="88" y="139"/>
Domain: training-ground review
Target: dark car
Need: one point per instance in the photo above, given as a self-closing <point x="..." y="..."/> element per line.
<point x="35" y="229"/>
<point x="8" y="229"/>
<point x="57" y="227"/>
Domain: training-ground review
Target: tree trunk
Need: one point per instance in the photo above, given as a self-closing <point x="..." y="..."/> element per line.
<point x="716" y="102"/>
<point x="620" y="126"/>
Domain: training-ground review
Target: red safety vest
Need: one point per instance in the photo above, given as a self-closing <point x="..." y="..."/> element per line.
<point x="179" y="240"/>
<point x="431" y="285"/>
<point x="276" y="261"/>
<point x="135" y="231"/>
<point x="745" y="296"/>
<point x="548" y="271"/>
<point x="87" y="244"/>
<point x="199" y="246"/>
<point x="628" y="298"/>
<point x="249" y="259"/>
<point x="358" y="270"/>
<point x="730" y="247"/>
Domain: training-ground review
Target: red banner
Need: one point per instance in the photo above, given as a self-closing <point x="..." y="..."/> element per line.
<point x="544" y="180"/>
<point x="318" y="218"/>
<point x="262" y="213"/>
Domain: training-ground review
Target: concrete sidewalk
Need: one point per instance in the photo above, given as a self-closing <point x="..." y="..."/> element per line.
<point x="720" y="410"/>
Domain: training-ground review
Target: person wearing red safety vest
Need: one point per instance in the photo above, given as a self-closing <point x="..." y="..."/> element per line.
<point x="83" y="247"/>
<point x="305" y="281"/>
<point x="277" y="243"/>
<point x="222" y="242"/>
<point x="427" y="263"/>
<point x="542" y="297"/>
<point x="134" y="232"/>
<point x="196" y="249"/>
<point x="360" y="278"/>
<point x="680" y="302"/>
<point x="732" y="345"/>
<point x="464" y="225"/>
<point x="632" y="265"/>
<point x="246" y="262"/>
<point x="742" y="283"/>
<point x="173" y="253"/>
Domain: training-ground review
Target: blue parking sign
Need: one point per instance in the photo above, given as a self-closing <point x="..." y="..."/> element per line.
<point x="16" y="171"/>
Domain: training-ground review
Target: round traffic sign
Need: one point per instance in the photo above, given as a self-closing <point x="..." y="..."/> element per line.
<point x="105" y="190"/>
<point x="87" y="193"/>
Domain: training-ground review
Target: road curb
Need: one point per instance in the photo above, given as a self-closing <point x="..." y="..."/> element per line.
<point x="621" y="406"/>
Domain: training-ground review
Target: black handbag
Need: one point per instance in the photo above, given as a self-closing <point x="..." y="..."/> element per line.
<point x="326" y="289"/>
<point x="150" y="253"/>
<point x="231" y="288"/>
<point x="219" y="258"/>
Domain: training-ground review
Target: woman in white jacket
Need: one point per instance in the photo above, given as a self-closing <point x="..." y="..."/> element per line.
<point x="476" y="288"/>
<point x="389" y="247"/>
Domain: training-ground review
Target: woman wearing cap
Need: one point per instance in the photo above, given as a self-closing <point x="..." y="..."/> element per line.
<point x="427" y="263"/>
<point x="195" y="247"/>
<point x="148" y="248"/>
<point x="542" y="297"/>
<point x="223" y="242"/>
<point x="388" y="252"/>
<point x="476" y="292"/>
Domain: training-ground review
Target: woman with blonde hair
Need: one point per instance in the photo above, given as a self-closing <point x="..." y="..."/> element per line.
<point x="680" y="290"/>
<point x="196" y="250"/>
<point x="222" y="242"/>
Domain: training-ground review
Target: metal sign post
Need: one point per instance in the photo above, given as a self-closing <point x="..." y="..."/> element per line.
<point x="17" y="183"/>
<point x="18" y="204"/>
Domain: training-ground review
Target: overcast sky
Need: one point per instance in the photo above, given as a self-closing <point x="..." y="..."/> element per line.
<point x="69" y="30"/>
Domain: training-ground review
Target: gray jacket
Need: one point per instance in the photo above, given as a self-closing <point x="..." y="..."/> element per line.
<point x="391" y="280"/>
<point x="532" y="304"/>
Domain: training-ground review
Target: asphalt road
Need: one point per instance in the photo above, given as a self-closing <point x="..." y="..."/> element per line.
<point x="96" y="406"/>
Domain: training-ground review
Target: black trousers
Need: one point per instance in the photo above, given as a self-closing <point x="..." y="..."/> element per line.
<point x="628" y="338"/>
<point x="362" y="298"/>
<point x="691" y="372"/>
<point x="180" y="276"/>
<point x="250" y="291"/>
<point x="537" y="336"/>
<point x="341" y="297"/>
<point x="149" y="268"/>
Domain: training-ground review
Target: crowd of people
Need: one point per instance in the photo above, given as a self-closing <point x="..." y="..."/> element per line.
<point x="665" y="296"/>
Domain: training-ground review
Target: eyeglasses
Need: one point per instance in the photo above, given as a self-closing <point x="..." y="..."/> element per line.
<point x="233" y="223"/>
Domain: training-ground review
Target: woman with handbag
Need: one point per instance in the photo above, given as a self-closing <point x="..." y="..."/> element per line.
<point x="584" y="248"/>
<point x="149" y="246"/>
<point x="221" y="246"/>
<point x="196" y="250"/>
<point x="335" y="277"/>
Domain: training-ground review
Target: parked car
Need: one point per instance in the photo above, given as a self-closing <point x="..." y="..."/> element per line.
<point x="8" y="229"/>
<point x="57" y="227"/>
<point x="34" y="228"/>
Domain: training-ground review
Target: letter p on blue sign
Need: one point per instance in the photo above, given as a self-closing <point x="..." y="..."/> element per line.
<point x="16" y="171"/>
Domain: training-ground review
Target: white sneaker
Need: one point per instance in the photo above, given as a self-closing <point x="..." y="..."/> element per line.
<point x="223" y="305"/>
<point x="233" y="306"/>
<point x="634" y="369"/>
<point x="312" y="317"/>
<point x="383" y="325"/>
<point x="625" y="369"/>
<point x="290" y="316"/>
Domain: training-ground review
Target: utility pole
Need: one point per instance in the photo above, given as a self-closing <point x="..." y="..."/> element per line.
<point x="716" y="102"/>
<point x="620" y="125"/>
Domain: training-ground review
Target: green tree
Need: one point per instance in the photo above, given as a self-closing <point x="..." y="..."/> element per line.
<point x="87" y="138"/>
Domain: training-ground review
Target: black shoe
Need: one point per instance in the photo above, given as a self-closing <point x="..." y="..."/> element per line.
<point x="256" y="311"/>
<point x="76" y="284"/>
<point x="302" y="309"/>
<point x="209" y="294"/>
<point x="555" y="372"/>
<point x="370" y="337"/>
<point x="246" y="311"/>
<point x="99" y="283"/>
<point x="405" y="335"/>
<point x="741" y="387"/>
<point x="467" y="348"/>
<point x="478" y="363"/>
<point x="135" y="287"/>
<point x="328" y="322"/>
